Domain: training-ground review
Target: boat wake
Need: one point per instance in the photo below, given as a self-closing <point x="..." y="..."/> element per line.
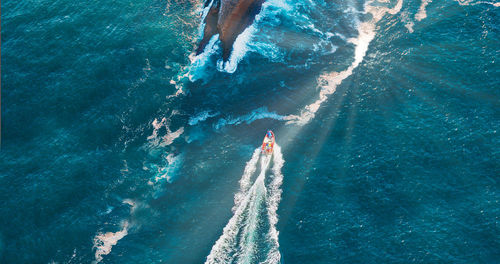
<point x="250" y="236"/>
<point x="328" y="82"/>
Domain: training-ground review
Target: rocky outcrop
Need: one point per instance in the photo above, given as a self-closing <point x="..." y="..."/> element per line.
<point x="228" y="18"/>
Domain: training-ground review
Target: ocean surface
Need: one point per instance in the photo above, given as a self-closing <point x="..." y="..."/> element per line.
<point x="119" y="145"/>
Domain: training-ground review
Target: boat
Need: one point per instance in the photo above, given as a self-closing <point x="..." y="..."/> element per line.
<point x="268" y="143"/>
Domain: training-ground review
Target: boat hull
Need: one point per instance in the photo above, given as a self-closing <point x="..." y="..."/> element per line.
<point x="268" y="143"/>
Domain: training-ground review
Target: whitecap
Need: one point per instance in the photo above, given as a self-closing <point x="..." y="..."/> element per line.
<point x="240" y="48"/>
<point x="199" y="63"/>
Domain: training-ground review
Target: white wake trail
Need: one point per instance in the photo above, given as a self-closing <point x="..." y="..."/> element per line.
<point x="328" y="82"/>
<point x="246" y="238"/>
<point x="245" y="179"/>
<point x="273" y="201"/>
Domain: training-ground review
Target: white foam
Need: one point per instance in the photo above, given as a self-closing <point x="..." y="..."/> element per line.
<point x="105" y="242"/>
<point x="239" y="50"/>
<point x="171" y="136"/>
<point x="178" y="91"/>
<point x="201" y="117"/>
<point x="156" y="126"/>
<point x="168" y="138"/>
<point x="421" y="11"/>
<point x="196" y="69"/>
<point x="171" y="163"/>
<point x="260" y="113"/>
<point x="178" y="81"/>
<point x="237" y="244"/>
<point x="409" y="26"/>
<point x="329" y="82"/>
<point x="169" y="171"/>
<point x="132" y="203"/>
<point x="471" y="2"/>
<point x="405" y="18"/>
<point x="188" y="19"/>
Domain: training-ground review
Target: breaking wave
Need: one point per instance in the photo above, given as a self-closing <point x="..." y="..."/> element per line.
<point x="250" y="235"/>
<point x="242" y="44"/>
<point x="199" y="63"/>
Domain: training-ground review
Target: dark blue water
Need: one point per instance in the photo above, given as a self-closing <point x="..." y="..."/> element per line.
<point x="120" y="146"/>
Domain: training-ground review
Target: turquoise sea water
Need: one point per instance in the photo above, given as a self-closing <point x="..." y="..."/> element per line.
<point x="121" y="146"/>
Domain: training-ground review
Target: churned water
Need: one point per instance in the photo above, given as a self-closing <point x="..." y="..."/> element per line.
<point x="119" y="145"/>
